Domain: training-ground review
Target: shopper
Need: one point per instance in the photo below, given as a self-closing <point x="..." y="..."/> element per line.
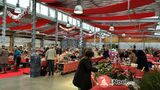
<point x="106" y="53"/>
<point x="50" y="57"/>
<point x="132" y="56"/>
<point x="4" y="54"/>
<point x="17" y="58"/>
<point x="82" y="78"/>
<point x="142" y="60"/>
<point x="59" y="50"/>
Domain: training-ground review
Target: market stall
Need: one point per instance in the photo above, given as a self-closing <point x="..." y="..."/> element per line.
<point x="112" y="76"/>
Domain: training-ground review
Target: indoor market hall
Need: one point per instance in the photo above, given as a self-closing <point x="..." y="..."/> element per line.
<point x="79" y="44"/>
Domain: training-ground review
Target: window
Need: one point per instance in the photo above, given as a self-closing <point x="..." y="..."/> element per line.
<point x="85" y="26"/>
<point x="52" y="13"/>
<point x="59" y="16"/>
<point x="78" y="23"/>
<point x="13" y="2"/>
<point x="44" y="10"/>
<point x="70" y="19"/>
<point x="38" y="8"/>
<point x="97" y="29"/>
<point x="65" y="18"/>
<point x="91" y="28"/>
<point x="158" y="27"/>
<point x="74" y="22"/>
<point x="23" y="3"/>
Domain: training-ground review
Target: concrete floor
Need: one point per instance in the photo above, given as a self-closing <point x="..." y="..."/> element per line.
<point x="58" y="82"/>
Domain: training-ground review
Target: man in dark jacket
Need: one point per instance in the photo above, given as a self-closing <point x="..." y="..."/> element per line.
<point x="142" y="61"/>
<point x="82" y="78"/>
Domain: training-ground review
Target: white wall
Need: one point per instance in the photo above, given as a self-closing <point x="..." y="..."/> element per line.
<point x="125" y="45"/>
<point x="49" y="42"/>
<point x="19" y="41"/>
<point x="7" y="42"/>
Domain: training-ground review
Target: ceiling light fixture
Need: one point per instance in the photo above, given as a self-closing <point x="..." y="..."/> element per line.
<point x="37" y="32"/>
<point x="78" y="8"/>
<point x="1" y="13"/>
<point x="90" y="31"/>
<point x="68" y="25"/>
<point x="123" y="35"/>
<point x="17" y="9"/>
<point x="111" y="28"/>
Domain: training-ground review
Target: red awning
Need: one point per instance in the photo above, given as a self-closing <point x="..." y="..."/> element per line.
<point x="112" y="8"/>
<point x="39" y="23"/>
<point x="8" y="20"/>
<point x="122" y="17"/>
<point x="50" y="31"/>
<point x="131" y="27"/>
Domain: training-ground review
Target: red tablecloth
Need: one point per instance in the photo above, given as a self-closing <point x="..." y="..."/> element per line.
<point x="138" y="73"/>
<point x="110" y="88"/>
<point x="70" y="66"/>
<point x="151" y="58"/>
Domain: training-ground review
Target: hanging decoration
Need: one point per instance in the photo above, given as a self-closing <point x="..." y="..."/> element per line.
<point x="18" y="12"/>
<point x="19" y="16"/>
<point x="67" y="29"/>
<point x="88" y="34"/>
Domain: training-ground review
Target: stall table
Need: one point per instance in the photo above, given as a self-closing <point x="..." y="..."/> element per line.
<point x="96" y="86"/>
<point x="69" y="66"/>
<point x="123" y="87"/>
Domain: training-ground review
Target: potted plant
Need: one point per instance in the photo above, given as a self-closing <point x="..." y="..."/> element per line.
<point x="150" y="81"/>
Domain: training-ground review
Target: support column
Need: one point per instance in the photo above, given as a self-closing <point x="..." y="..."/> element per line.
<point x="111" y="37"/>
<point x="81" y="38"/>
<point x="100" y="39"/>
<point x="119" y="40"/>
<point x="42" y="42"/>
<point x="94" y="37"/>
<point x="12" y="41"/>
<point x="33" y="26"/>
<point x="143" y="41"/>
<point x="56" y="27"/>
<point x="4" y="23"/>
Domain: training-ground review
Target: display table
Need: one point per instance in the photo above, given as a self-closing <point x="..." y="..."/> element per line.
<point x="69" y="66"/>
<point x="137" y="73"/>
<point x="97" y="87"/>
